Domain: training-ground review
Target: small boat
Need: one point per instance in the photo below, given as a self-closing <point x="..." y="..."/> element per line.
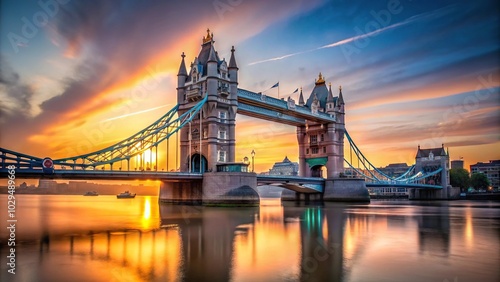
<point x="91" y="193"/>
<point x="125" y="195"/>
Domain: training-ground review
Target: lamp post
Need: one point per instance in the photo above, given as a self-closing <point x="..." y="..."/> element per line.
<point x="253" y="160"/>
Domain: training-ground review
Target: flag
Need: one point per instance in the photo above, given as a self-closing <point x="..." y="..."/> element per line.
<point x="295" y="91"/>
<point x="276" y="85"/>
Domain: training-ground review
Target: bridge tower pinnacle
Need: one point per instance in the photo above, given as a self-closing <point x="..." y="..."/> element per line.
<point x="210" y="138"/>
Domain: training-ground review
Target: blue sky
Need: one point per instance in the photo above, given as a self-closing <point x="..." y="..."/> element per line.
<point x="412" y="72"/>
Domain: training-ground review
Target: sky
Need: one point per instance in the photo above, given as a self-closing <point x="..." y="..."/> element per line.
<point x="77" y="76"/>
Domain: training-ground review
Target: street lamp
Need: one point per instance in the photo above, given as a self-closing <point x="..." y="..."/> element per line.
<point x="245" y="159"/>
<point x="253" y="160"/>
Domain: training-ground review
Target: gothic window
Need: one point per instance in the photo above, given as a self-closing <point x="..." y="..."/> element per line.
<point x="324" y="150"/>
<point x="222" y="156"/>
<point x="313" y="139"/>
<point x="196" y="134"/>
<point x="314" y="150"/>
<point x="431" y="156"/>
<point x="322" y="137"/>
<point x="223" y="116"/>
<point x="195" y="76"/>
<point x="222" y="134"/>
<point x="307" y="151"/>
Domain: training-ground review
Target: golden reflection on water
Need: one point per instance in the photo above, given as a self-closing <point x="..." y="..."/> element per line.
<point x="469" y="229"/>
<point x="105" y="239"/>
<point x="146" y="220"/>
<point x="272" y="246"/>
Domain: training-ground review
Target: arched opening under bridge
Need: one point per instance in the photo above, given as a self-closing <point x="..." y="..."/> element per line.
<point x="198" y="163"/>
<point x="318" y="171"/>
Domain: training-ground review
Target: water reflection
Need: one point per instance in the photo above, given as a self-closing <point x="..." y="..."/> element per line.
<point x="207" y="236"/>
<point x="144" y="241"/>
<point x="434" y="230"/>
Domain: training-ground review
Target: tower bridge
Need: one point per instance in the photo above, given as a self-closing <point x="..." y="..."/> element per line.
<point x="204" y="123"/>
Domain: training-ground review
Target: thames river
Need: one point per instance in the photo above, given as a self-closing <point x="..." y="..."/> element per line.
<point x="77" y="238"/>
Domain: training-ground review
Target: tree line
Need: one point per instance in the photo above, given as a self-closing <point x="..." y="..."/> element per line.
<point x="459" y="177"/>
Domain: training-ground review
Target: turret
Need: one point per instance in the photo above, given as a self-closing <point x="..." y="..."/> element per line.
<point x="340" y="107"/>
<point x="181" y="80"/>
<point x="330" y="103"/>
<point x="212" y="62"/>
<point x="182" y="74"/>
<point x="301" y="98"/>
<point x="233" y="68"/>
<point x="340" y="101"/>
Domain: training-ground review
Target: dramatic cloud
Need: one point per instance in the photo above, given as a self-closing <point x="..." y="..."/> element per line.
<point x="112" y="70"/>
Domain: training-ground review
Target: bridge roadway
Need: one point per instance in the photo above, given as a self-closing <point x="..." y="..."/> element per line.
<point x="295" y="183"/>
<point x="269" y="108"/>
<point x="403" y="185"/>
<point x="104" y="175"/>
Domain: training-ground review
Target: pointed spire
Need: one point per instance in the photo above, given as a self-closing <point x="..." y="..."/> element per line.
<point x="182" y="68"/>
<point x="232" y="60"/>
<point x="209" y="37"/>
<point x="301" y="98"/>
<point x="341" y="97"/>
<point x="320" y="80"/>
<point x="329" y="99"/>
<point x="212" y="57"/>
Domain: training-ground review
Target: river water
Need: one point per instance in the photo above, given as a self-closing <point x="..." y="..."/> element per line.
<point x="77" y="238"/>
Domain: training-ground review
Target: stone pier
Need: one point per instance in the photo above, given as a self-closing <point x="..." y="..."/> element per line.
<point x="336" y="190"/>
<point x="447" y="193"/>
<point x="346" y="190"/>
<point x="230" y="188"/>
<point x="216" y="189"/>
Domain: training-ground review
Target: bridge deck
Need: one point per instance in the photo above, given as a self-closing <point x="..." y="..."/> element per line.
<point x="269" y="108"/>
<point x="105" y="175"/>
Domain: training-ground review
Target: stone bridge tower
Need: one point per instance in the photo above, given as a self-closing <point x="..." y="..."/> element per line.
<point x="428" y="160"/>
<point x="321" y="145"/>
<point x="210" y="139"/>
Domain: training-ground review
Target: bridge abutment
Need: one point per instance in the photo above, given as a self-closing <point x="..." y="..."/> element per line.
<point x="447" y="193"/>
<point x="346" y="190"/>
<point x="185" y="192"/>
<point x="230" y="188"/>
<point x="216" y="189"/>
<point x="336" y="190"/>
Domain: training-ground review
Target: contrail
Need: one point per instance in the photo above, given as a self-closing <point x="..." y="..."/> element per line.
<point x="280" y="58"/>
<point x="132" y="114"/>
<point x="435" y="13"/>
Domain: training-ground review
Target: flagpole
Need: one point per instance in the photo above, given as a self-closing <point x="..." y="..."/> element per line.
<point x="278" y="89"/>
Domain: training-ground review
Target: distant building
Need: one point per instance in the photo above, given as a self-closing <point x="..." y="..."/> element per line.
<point x="491" y="170"/>
<point x="47" y="184"/>
<point x="457" y="164"/>
<point x="392" y="170"/>
<point x="286" y="167"/>
<point x="395" y="170"/>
